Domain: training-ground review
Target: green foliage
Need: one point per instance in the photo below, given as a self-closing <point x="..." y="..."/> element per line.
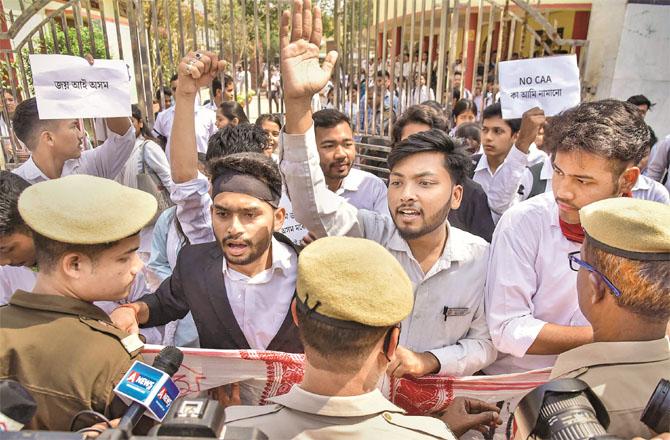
<point x="48" y="47"/>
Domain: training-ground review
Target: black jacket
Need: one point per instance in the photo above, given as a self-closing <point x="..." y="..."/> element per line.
<point x="197" y="285"/>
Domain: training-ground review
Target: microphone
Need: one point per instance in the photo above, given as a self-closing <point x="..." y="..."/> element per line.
<point x="149" y="389"/>
<point x="17" y="406"/>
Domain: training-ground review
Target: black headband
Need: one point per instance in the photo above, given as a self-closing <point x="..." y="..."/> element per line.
<point x="237" y="182"/>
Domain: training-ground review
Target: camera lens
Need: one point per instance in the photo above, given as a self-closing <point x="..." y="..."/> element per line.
<point x="570" y="416"/>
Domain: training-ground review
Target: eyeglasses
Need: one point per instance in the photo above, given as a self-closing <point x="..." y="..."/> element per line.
<point x="576" y="263"/>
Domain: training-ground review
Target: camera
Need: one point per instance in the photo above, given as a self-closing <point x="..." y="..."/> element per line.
<point x="567" y="409"/>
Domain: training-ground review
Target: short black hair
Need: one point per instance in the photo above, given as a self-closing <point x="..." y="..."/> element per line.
<point x="257" y="165"/>
<point x="11" y="187"/>
<point x="166" y="92"/>
<point x="174" y="77"/>
<point x="456" y="160"/>
<point x="232" y="110"/>
<point x="464" y="105"/>
<point x="608" y="128"/>
<point x="227" y="79"/>
<point x="272" y="117"/>
<point x="329" y="118"/>
<point x="216" y="85"/>
<point x="383" y="73"/>
<point x="419" y="114"/>
<point x="48" y="252"/>
<point x="136" y="113"/>
<point x="469" y="130"/>
<point x="495" y="111"/>
<point x="27" y="123"/>
<point x="242" y="138"/>
<point x="640" y="100"/>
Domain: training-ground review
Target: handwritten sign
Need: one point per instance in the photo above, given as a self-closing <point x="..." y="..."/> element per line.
<point x="69" y="87"/>
<point x="551" y="83"/>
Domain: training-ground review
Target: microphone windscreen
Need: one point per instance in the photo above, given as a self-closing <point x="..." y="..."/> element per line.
<point x="16" y="402"/>
<point x="169" y="360"/>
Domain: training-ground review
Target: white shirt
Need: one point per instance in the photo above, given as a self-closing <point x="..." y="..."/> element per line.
<point x="535" y="155"/>
<point x="13" y="278"/>
<point x="106" y="161"/>
<point x="260" y="303"/>
<point x="546" y="174"/>
<point x="659" y="160"/>
<point x="365" y="191"/>
<point x="649" y="189"/>
<point x="502" y="187"/>
<point x="462" y="343"/>
<point x="205" y="126"/>
<point x="529" y="283"/>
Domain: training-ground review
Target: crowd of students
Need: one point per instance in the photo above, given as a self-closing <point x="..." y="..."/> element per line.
<point x="480" y="231"/>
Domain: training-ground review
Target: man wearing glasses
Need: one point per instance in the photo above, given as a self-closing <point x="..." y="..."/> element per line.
<point x="623" y="285"/>
<point x="530" y="298"/>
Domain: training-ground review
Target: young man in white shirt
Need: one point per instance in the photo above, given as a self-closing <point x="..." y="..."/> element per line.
<point x="239" y="285"/>
<point x="204" y="118"/>
<point x="446" y="332"/>
<point x="55" y="146"/>
<point x="17" y="250"/>
<point x="506" y="146"/>
<point x="337" y="154"/>
<point x="531" y="301"/>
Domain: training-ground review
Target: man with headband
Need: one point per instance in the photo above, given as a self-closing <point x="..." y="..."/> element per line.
<point x="239" y="286"/>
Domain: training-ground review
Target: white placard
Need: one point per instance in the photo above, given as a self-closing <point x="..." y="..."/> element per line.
<point x="551" y="83"/>
<point x="69" y="87"/>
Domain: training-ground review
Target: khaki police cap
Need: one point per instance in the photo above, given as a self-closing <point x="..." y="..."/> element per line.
<point x="627" y="227"/>
<point x="353" y="280"/>
<point x="82" y="209"/>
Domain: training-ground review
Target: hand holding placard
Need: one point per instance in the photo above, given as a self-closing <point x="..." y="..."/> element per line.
<point x="550" y="83"/>
<point x="531" y="122"/>
<point x="69" y="87"/>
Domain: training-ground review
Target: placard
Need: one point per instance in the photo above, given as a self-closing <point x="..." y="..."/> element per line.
<point x="68" y="87"/>
<point x="551" y="83"/>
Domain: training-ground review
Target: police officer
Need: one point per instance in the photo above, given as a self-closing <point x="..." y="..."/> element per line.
<point x="351" y="296"/>
<point x="624" y="292"/>
<point x="63" y="349"/>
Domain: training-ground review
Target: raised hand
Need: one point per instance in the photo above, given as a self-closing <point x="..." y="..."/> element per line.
<point x="301" y="73"/>
<point x="196" y="70"/>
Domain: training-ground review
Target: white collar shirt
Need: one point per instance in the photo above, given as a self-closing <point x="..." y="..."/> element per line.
<point x="529" y="283"/>
<point x="648" y="189"/>
<point x="365" y="191"/>
<point x="106" y="161"/>
<point x="527" y="180"/>
<point x="13" y="278"/>
<point x="205" y="126"/>
<point x="502" y="186"/>
<point x="452" y="287"/>
<point x="260" y="303"/>
<point x="535" y="155"/>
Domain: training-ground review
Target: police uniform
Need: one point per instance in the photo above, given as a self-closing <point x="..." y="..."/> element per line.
<point x="303" y="415"/>
<point x="623" y="374"/>
<point x="65" y="351"/>
<point x="344" y="282"/>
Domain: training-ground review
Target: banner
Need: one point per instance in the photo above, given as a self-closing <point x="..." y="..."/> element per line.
<point x="550" y="83"/>
<point x="68" y="87"/>
<point x="265" y="374"/>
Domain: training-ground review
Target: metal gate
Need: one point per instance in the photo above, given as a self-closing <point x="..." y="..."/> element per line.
<point x="406" y="38"/>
